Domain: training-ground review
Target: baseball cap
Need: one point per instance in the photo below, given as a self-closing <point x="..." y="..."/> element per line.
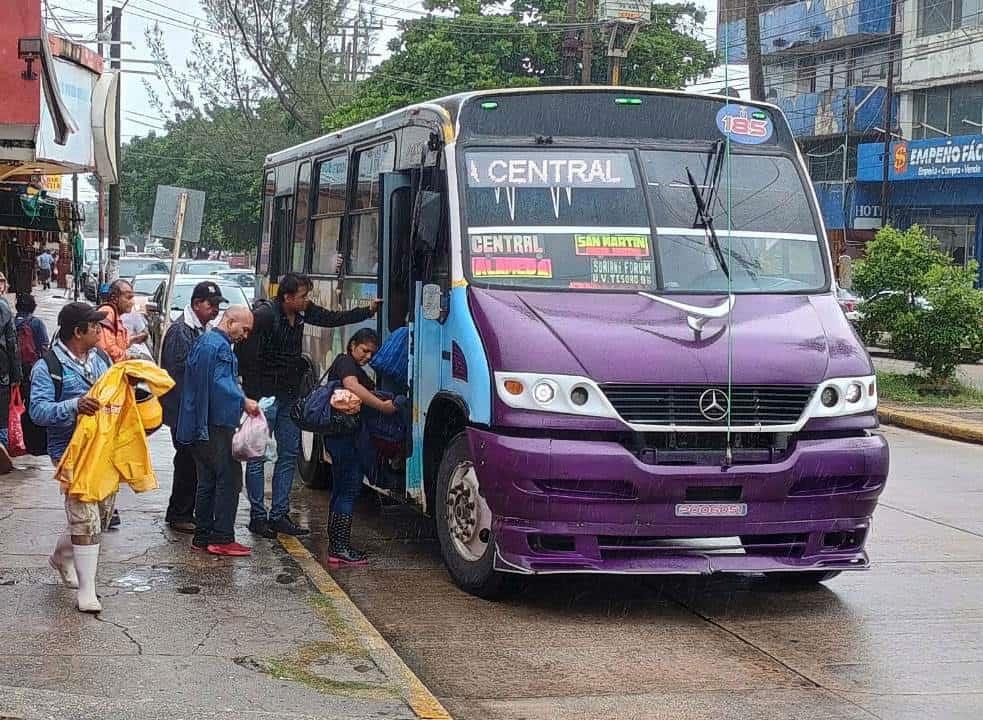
<point x="76" y="313"/>
<point x="207" y="290"/>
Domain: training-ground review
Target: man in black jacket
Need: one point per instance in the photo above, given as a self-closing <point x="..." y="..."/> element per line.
<point x="180" y="336"/>
<point x="10" y="372"/>
<point x="271" y="365"/>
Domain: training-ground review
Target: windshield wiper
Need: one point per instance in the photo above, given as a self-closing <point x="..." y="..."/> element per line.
<point x="703" y="216"/>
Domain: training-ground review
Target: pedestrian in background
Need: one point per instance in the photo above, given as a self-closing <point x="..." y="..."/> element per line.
<point x="212" y="404"/>
<point x="115" y="339"/>
<point x="44" y="262"/>
<point x="178" y="340"/>
<point x="32" y="337"/>
<point x="76" y="555"/>
<point x="11" y="372"/>
<point x="272" y="366"/>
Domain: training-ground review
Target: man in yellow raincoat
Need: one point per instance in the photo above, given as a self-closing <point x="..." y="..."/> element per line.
<point x="95" y="436"/>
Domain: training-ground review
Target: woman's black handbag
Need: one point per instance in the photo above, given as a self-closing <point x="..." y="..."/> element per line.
<point x="313" y="413"/>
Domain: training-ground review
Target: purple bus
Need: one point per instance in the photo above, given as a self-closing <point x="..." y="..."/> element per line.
<point x="626" y="353"/>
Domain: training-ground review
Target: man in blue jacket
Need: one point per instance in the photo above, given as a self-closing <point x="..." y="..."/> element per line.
<point x="212" y="404"/>
<point x="57" y="407"/>
<point x="180" y="336"/>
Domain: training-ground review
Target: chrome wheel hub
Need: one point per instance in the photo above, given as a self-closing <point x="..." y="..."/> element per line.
<point x="467" y="515"/>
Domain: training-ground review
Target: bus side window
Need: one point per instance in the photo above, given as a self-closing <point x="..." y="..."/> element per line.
<point x="269" y="188"/>
<point x="398" y="305"/>
<point x="363" y="226"/>
<point x="329" y="208"/>
<point x="302" y="202"/>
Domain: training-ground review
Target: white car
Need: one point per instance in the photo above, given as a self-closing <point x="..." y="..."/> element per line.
<point x="246" y="279"/>
<point x="184" y="285"/>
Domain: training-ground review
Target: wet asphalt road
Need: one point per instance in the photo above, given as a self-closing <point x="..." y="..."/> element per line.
<point x="902" y="640"/>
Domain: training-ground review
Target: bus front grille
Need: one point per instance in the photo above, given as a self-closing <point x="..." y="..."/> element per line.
<point x="681" y="404"/>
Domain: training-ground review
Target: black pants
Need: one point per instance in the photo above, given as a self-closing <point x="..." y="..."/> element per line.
<point x="184" y="487"/>
<point x="219" y="485"/>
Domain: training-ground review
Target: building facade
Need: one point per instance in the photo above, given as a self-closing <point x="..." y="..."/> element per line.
<point x="935" y="175"/>
<point x="825" y="64"/>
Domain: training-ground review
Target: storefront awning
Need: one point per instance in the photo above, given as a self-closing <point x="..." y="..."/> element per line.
<point x="20" y="211"/>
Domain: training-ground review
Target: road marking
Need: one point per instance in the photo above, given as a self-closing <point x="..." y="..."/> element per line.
<point x="415" y="693"/>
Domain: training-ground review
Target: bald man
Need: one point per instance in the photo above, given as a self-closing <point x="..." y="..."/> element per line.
<point x="211" y="406"/>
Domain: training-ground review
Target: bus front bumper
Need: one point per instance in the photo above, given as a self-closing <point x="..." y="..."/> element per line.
<point x="567" y="506"/>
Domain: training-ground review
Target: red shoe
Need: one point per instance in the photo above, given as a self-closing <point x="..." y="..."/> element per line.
<point x="232" y="549"/>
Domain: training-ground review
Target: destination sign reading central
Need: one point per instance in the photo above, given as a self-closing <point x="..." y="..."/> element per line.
<point x="549" y="170"/>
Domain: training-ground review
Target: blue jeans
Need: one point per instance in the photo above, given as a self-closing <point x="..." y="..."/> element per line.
<point x="287" y="436"/>
<point x="346" y="473"/>
<point x="4" y="437"/>
<point x="219" y="485"/>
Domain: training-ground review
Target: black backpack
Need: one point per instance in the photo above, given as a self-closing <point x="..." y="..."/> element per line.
<point x="36" y="436"/>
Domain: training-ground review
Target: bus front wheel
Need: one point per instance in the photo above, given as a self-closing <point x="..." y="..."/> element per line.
<point x="464" y="524"/>
<point x="315" y="473"/>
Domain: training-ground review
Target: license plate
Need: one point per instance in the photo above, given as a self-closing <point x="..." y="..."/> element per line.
<point x="711" y="509"/>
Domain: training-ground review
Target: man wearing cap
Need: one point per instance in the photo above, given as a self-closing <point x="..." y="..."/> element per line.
<point x="76" y="555"/>
<point x="180" y="336"/>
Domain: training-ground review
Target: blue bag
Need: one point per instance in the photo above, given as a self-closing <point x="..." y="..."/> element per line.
<point x="313" y="413"/>
<point x="393" y="358"/>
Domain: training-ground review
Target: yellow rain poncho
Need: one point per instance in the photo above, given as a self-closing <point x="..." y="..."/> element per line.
<point x="111" y="447"/>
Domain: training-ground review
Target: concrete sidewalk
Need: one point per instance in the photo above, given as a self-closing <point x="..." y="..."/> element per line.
<point x="182" y="634"/>
<point x="971" y="375"/>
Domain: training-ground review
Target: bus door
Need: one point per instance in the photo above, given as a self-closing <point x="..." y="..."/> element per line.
<point x="394" y="238"/>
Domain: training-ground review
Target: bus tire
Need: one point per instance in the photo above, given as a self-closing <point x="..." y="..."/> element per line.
<point x="315" y="473"/>
<point x="461" y="515"/>
<point x="800" y="580"/>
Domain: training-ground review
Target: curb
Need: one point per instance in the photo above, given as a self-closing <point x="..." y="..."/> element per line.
<point x="945" y="426"/>
<point x="423" y="703"/>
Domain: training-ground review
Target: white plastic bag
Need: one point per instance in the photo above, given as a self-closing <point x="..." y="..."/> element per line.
<point x="250" y="440"/>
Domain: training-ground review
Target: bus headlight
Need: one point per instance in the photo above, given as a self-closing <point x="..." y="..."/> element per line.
<point x="844" y="396"/>
<point x="567" y="394"/>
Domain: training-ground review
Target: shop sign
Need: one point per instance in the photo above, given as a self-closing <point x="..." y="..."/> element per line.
<point x="934" y="159"/>
<point x="609" y="10"/>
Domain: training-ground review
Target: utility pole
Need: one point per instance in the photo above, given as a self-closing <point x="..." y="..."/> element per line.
<point x="100" y="274"/>
<point x="76" y="230"/>
<point x="888" y="120"/>
<point x="570" y="44"/>
<point x="756" y="74"/>
<point x="587" y="46"/>
<point x="114" y="190"/>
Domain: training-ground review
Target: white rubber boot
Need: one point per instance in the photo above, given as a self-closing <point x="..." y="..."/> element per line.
<point x="86" y="563"/>
<point x="63" y="561"/>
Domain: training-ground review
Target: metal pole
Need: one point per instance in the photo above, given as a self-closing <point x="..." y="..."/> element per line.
<point x="76" y="262"/>
<point x="587" y="48"/>
<point x="101" y="271"/>
<point x="112" y="270"/>
<point x="165" y="312"/>
<point x="756" y="75"/>
<point x="888" y="120"/>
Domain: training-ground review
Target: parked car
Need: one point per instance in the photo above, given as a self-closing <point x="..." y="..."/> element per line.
<point x="862" y="308"/>
<point x="849" y="302"/>
<point x="184" y="285"/>
<point x="202" y="267"/>
<point x="129" y="267"/>
<point x="246" y="279"/>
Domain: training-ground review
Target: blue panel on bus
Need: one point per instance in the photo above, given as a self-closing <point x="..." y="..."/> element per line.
<point x="460" y="329"/>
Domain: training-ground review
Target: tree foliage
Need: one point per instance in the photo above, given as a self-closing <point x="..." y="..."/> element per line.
<point x="479" y="49"/>
<point x="934" y="315"/>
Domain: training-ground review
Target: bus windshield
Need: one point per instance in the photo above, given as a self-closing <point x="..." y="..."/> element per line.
<point x="578" y="219"/>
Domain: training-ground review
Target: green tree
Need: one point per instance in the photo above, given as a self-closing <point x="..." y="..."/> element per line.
<point x="479" y="49"/>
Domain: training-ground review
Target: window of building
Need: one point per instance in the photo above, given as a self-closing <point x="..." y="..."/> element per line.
<point x="332" y="174"/>
<point x="956" y="233"/>
<point x="825" y="161"/>
<point x="951" y="110"/>
<point x="363" y="230"/>
<point x="939" y="16"/>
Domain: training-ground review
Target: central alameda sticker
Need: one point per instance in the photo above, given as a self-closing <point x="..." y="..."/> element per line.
<point x="744" y="124"/>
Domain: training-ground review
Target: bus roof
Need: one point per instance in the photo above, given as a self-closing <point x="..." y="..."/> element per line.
<point x="448" y="108"/>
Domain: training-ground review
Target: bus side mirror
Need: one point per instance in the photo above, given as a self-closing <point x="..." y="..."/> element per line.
<point x="431" y="302"/>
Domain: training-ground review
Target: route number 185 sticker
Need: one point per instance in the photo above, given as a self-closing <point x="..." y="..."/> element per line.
<point x="743" y="124"/>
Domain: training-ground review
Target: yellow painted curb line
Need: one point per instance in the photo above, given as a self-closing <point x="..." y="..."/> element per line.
<point x="945" y="426"/>
<point x="415" y="693"/>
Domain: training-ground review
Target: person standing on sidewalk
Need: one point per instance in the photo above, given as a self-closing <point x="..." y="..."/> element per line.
<point x="212" y="404"/>
<point x="11" y="372"/>
<point x="45" y="261"/>
<point x="76" y="555"/>
<point x="272" y="366"/>
<point x="180" y="336"/>
<point x="116" y="339"/>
